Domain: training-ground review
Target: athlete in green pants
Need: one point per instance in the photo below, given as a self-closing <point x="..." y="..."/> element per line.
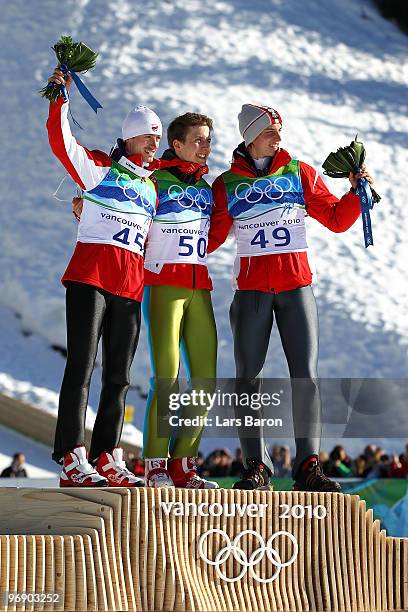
<point x="177" y="302"/>
<point x="175" y="314"/>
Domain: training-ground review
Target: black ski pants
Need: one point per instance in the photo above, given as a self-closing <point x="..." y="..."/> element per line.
<point x="251" y="315"/>
<point x="91" y="313"/>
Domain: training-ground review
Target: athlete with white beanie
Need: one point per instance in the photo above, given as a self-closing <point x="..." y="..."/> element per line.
<point x="104" y="287"/>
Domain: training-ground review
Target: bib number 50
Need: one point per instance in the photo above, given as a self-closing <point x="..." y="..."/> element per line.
<point x="186" y="246"/>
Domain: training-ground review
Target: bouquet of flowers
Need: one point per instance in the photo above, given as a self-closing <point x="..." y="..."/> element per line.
<point x="73" y="58"/>
<point x="346" y="160"/>
<point x="351" y="159"/>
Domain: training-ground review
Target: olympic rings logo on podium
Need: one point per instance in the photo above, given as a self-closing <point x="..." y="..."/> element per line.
<point x="261" y="188"/>
<point x="189" y="197"/>
<point x="256" y="557"/>
<point x="139" y="189"/>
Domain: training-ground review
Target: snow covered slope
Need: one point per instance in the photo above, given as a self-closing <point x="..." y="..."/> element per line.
<point x="331" y="68"/>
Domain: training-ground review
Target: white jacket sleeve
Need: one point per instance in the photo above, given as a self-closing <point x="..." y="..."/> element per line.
<point x="87" y="168"/>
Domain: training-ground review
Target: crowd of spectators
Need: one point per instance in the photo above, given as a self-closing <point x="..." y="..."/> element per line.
<point x="373" y="462"/>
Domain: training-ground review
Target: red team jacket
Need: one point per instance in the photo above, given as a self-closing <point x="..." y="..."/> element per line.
<point x="121" y="272"/>
<point x="286" y="271"/>
<point x="111" y="268"/>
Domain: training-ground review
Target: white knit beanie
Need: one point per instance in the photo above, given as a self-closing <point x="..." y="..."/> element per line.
<point x="141" y="120"/>
<point x="254" y="119"/>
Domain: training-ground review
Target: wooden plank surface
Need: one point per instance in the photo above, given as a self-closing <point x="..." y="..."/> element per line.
<point x="70" y="601"/>
<point x="118" y="550"/>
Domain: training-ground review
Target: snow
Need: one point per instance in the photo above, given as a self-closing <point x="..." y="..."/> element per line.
<point x="331" y="69"/>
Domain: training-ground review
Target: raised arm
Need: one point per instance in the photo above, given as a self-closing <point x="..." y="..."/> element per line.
<point x="87" y="168"/>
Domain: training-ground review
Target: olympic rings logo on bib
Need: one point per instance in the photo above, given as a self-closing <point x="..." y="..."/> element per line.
<point x="134" y="189"/>
<point x="241" y="558"/>
<point x="189" y="197"/>
<point x="262" y="188"/>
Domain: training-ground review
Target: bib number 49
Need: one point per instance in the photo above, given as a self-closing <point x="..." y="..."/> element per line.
<point x="280" y="234"/>
<point x="186" y="246"/>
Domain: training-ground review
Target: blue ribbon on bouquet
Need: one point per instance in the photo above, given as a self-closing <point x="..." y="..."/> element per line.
<point x="82" y="88"/>
<point x="366" y="204"/>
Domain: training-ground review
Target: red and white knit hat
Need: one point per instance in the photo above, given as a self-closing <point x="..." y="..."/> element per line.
<point x="253" y="119"/>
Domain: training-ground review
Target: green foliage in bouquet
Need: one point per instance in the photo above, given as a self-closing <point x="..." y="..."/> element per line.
<point x="76" y="56"/>
<point x="346" y="160"/>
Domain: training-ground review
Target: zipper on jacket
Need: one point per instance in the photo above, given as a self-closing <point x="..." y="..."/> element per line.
<point x="271" y="289"/>
<point x="125" y="277"/>
<point x="194" y="276"/>
<point x="249" y="265"/>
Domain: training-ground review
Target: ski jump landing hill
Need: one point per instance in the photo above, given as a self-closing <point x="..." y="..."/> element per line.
<point x="175" y="549"/>
<point x="37" y="424"/>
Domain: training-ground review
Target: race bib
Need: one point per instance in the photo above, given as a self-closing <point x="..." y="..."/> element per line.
<point x="124" y="230"/>
<point x="280" y="230"/>
<point x="268" y="211"/>
<point x="170" y="243"/>
<point x="119" y="210"/>
<point x="179" y="233"/>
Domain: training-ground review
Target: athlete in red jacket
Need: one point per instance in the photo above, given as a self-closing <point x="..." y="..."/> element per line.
<point x="104" y="286"/>
<point x="265" y="196"/>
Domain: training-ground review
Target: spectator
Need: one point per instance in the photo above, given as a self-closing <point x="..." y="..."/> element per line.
<point x="339" y="464"/>
<point x="404" y="459"/>
<point x="200" y="463"/>
<point x="237" y="464"/>
<point x="16" y="469"/>
<point x="369" y="454"/>
<point x="375" y="464"/>
<point x="226" y="461"/>
<point x="360" y="466"/>
<point x="398" y="467"/>
<point x="275" y="453"/>
<point x="129" y="457"/>
<point x="384" y="466"/>
<point x="200" y="458"/>
<point x="211" y="464"/>
<point x="324" y="460"/>
<point x="404" y="462"/>
<point x="135" y="463"/>
<point x="218" y="463"/>
<point x="283" y="463"/>
<point x="139" y="467"/>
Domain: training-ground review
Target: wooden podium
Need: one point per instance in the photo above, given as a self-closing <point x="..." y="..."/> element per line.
<point x="175" y="549"/>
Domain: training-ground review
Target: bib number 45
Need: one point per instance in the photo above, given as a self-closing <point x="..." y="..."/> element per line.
<point x="186" y="246"/>
<point x="280" y="234"/>
<point x="124" y="237"/>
